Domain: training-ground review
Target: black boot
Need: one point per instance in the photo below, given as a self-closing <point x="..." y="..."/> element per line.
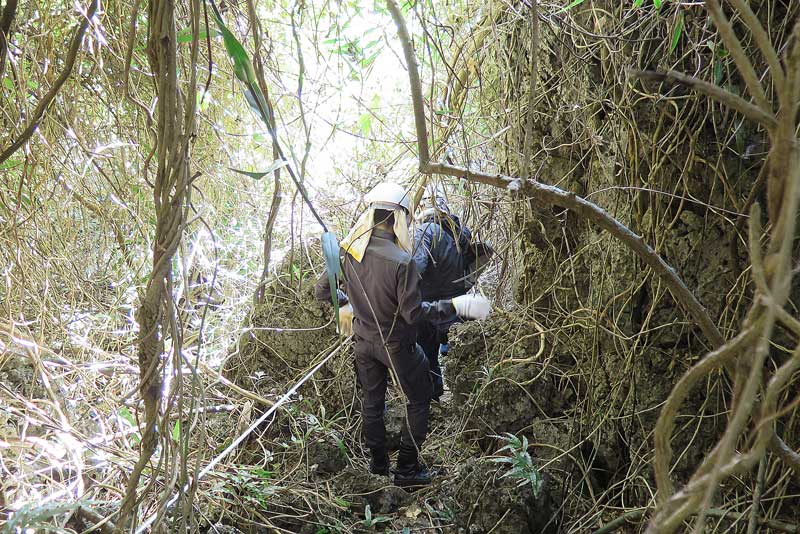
<point x="410" y="472"/>
<point x="379" y="462"/>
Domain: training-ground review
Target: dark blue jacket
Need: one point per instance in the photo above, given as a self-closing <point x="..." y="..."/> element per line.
<point x="439" y="244"/>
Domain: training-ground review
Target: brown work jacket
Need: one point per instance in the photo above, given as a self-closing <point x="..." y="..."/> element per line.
<point x="383" y="289"/>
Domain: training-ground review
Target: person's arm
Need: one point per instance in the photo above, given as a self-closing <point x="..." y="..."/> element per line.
<point x="409" y="298"/>
<point x="322" y="290"/>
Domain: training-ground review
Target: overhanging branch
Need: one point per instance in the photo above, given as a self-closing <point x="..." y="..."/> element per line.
<point x="735" y="102"/>
<point x="550" y="195"/>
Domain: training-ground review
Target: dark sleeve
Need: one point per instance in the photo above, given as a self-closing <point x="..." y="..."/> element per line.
<point x="423" y="241"/>
<point x="466" y="237"/>
<point x="412" y="308"/>
<point x="322" y="289"/>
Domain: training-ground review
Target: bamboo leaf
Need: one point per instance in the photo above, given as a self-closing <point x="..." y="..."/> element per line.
<point x="330" y="248"/>
<point x="572" y="4"/>
<point x="127" y="416"/>
<point x="255" y="175"/>
<point x="676" y="34"/>
<point x="185" y="35"/>
<point x="242" y="66"/>
<point x="365" y="123"/>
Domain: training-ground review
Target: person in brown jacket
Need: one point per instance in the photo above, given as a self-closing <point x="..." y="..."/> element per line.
<point x="381" y="283"/>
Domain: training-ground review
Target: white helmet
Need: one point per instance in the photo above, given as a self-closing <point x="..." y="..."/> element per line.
<point x="435" y="198"/>
<point x="388" y="196"/>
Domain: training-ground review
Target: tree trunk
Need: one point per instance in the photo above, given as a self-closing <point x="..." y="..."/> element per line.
<point x="175" y="128"/>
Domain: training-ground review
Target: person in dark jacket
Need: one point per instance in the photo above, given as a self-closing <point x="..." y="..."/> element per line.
<point x="382" y="286"/>
<point x="441" y="246"/>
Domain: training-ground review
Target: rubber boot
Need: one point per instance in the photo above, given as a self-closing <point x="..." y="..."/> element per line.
<point x="410" y="473"/>
<point x="379" y="462"/>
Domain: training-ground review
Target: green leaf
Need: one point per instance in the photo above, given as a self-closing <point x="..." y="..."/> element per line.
<point x="657" y="3"/>
<point x="638" y="3"/>
<point x="570" y="6"/>
<point x="717" y="72"/>
<point x="176" y="432"/>
<point x="8" y="84"/>
<point x="342" y="502"/>
<point x="242" y="66"/>
<point x="369" y="60"/>
<point x="126" y="415"/>
<point x="263" y="474"/>
<point x="365" y="123"/>
<point x="255" y="175"/>
<point x="38" y="517"/>
<point x="676" y="33"/>
<point x="342" y="448"/>
<point x="185" y="35"/>
<point x="10" y="163"/>
<point x="330" y="248"/>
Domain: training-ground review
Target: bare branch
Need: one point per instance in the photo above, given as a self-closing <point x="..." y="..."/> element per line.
<point x="47" y="99"/>
<point x="416" y="86"/>
<point x="763" y="41"/>
<point x="9" y="11"/>
<point x="722" y="96"/>
<point x="737" y="52"/>
<point x="275" y="204"/>
<point x="526" y="148"/>
<point x="714" y="467"/>
<point x="551" y="195"/>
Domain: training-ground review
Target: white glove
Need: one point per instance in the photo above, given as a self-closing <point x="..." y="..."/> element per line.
<point x="346" y="320"/>
<point x="472" y="306"/>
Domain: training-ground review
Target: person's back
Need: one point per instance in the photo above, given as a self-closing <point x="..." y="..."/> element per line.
<point x="378" y="287"/>
<point x="439" y="243"/>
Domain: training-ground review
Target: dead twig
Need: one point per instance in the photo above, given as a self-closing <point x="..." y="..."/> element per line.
<point x="722" y="96"/>
<point x="48" y="98"/>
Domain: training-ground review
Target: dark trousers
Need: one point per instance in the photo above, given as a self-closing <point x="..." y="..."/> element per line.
<point x="429" y="337"/>
<point x="373" y="362"/>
